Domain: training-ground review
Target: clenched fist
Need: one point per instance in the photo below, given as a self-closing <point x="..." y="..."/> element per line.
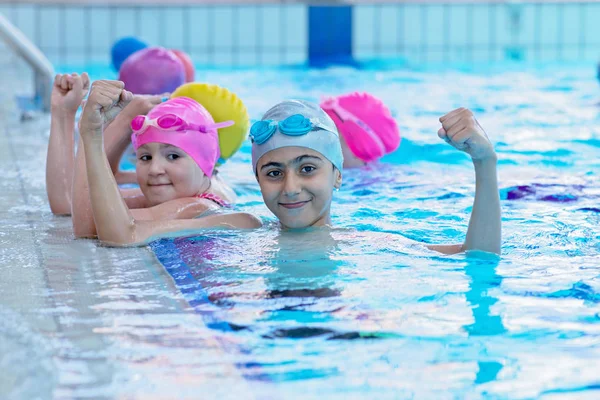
<point x="461" y="130"/>
<point x="106" y="100"/>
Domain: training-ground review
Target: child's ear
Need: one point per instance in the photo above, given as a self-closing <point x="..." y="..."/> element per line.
<point x="338" y="179"/>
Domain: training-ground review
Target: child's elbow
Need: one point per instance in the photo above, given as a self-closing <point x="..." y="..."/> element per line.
<point x="126" y="235"/>
<point x="247" y="221"/>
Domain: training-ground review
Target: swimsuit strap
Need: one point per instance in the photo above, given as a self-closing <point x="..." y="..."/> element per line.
<point x="214" y="198"/>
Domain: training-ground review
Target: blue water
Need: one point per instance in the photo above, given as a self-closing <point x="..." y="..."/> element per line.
<point x="362" y="312"/>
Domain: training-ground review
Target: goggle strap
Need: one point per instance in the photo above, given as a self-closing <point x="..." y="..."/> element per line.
<point x="224" y="124"/>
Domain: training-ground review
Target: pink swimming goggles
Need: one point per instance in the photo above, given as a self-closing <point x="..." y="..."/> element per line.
<point x="184" y="123"/>
<point x="171" y="122"/>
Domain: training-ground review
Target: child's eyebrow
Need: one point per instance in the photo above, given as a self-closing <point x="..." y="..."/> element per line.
<point x="301" y="158"/>
<point x="272" y="164"/>
<point x="296" y="160"/>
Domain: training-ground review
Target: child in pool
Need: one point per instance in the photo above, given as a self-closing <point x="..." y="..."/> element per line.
<point x="366" y="127"/>
<point x="297" y="159"/>
<point x="177" y="145"/>
<point x="212" y="193"/>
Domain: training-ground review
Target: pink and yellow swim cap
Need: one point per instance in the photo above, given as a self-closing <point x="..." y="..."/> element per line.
<point x="365" y="123"/>
<point x="184" y="123"/>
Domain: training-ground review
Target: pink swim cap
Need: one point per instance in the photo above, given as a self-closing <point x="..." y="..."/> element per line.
<point x="365" y="123"/>
<point x="184" y="123"/>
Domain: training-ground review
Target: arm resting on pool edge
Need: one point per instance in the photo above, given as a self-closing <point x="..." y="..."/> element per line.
<point x="114" y="221"/>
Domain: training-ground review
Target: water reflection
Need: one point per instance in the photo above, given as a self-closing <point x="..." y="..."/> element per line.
<point x="483" y="279"/>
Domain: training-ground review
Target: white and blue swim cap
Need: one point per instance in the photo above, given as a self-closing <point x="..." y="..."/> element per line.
<point x="296" y="123"/>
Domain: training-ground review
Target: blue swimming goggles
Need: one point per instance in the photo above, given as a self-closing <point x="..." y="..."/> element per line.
<point x="294" y="125"/>
<point x="287" y="124"/>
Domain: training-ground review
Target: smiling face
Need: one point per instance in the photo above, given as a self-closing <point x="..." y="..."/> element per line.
<point x="166" y="172"/>
<point x="297" y="186"/>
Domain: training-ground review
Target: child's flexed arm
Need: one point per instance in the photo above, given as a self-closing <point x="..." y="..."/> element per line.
<point x="67" y="93"/>
<point x="461" y="130"/>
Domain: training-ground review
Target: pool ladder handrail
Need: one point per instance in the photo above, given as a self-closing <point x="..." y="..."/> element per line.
<point x="43" y="69"/>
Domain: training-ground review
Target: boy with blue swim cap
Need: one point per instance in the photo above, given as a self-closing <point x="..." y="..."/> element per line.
<point x="297" y="160"/>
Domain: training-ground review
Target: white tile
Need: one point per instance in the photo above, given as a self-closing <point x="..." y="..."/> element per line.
<point x="458" y="32"/>
<point x="296" y="57"/>
<point x="296" y="27"/>
<point x="548" y="28"/>
<point x="148" y="28"/>
<point x="480" y="27"/>
<point x="222" y="18"/>
<point x="591" y="26"/>
<point x="49" y="28"/>
<point x="25" y="20"/>
<point x="246" y="28"/>
<point x="123" y="24"/>
<point x="270" y="58"/>
<point x="198" y="35"/>
<point x="247" y="58"/>
<point x="173" y="20"/>
<point x="271" y="28"/>
<point x="388" y="25"/>
<point x="75" y="31"/>
<point x="222" y="58"/>
<point x="363" y="37"/>
<point x="435" y="18"/>
<point x="500" y="35"/>
<point x="101" y="38"/>
<point x="571" y="28"/>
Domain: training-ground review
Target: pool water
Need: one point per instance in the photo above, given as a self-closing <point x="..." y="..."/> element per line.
<point x="360" y="311"/>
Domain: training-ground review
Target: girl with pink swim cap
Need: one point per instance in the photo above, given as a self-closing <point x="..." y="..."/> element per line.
<point x="367" y="129"/>
<point x="177" y="147"/>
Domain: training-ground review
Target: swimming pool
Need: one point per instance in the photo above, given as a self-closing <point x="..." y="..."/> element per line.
<point x="354" y="313"/>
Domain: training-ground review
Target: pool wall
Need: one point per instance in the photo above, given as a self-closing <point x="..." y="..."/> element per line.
<point x="290" y="33"/>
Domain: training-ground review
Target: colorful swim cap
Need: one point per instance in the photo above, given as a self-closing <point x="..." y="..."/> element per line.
<point x="223" y="105"/>
<point x="365" y="123"/>
<point x="296" y="123"/>
<point x="184" y="123"/>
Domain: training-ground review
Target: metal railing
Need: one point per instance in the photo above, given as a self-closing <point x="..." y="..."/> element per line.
<point x="42" y="68"/>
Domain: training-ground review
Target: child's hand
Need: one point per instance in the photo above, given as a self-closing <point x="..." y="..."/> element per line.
<point x="139" y="105"/>
<point x="461" y="130"/>
<point x="106" y="100"/>
<point x="142" y="104"/>
<point x="68" y="92"/>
